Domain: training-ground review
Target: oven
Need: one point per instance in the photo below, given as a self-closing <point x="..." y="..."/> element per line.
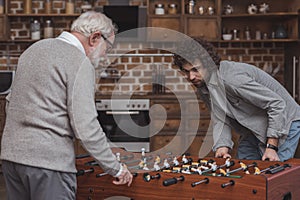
<point x="125" y="122"/>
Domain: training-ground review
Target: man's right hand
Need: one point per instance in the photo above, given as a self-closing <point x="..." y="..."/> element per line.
<point x="222" y="152"/>
<point x="125" y="177"/>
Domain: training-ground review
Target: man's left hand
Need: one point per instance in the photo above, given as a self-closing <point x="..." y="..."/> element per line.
<point x="270" y="155"/>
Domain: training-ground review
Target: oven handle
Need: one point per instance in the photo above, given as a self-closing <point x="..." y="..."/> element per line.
<point x="122" y="112"/>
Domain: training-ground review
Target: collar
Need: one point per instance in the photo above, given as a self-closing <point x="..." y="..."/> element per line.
<point x="214" y="78"/>
<point x="71" y="39"/>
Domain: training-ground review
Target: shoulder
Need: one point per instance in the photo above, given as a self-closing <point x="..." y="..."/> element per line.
<point x="237" y="73"/>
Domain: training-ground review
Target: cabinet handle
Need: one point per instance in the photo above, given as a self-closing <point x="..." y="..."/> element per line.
<point x="298" y="95"/>
<point x="294" y="76"/>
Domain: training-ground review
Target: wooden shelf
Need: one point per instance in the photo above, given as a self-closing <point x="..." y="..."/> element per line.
<point x="43" y="15"/>
<point x="278" y="14"/>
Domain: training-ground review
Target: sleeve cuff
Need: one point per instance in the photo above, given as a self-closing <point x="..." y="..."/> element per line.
<point x="120" y="171"/>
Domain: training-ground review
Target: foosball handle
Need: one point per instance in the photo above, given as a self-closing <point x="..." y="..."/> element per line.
<point x="231" y="182"/>
<point x="205" y="180"/>
<point x="82" y="171"/>
<point x="172" y="181"/>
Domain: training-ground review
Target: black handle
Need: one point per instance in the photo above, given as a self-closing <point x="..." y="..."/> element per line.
<point x="172" y="181"/>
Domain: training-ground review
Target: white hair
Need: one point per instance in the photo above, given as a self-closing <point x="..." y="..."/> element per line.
<point x="91" y="21"/>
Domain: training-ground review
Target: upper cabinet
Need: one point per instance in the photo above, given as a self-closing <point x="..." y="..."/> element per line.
<point x="246" y="20"/>
<point x="214" y="20"/>
<point x="184" y="16"/>
<point x="266" y="20"/>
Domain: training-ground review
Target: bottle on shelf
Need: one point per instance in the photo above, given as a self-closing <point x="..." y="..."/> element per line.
<point x="48" y="6"/>
<point x="35" y="28"/>
<point x="86" y="6"/>
<point x="191" y="7"/>
<point x="70" y="7"/>
<point x="247" y="33"/>
<point x="48" y="29"/>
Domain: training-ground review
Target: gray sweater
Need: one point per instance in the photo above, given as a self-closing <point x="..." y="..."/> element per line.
<point x="248" y="99"/>
<point x="51" y="104"/>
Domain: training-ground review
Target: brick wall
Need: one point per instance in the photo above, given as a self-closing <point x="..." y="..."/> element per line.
<point x="134" y="73"/>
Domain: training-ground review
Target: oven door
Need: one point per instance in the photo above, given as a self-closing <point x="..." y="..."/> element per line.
<point x="128" y="129"/>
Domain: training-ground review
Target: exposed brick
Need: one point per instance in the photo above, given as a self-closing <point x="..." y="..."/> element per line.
<point x="135" y="59"/>
<point x="146" y="59"/>
<point x="277" y="51"/>
<point x="145" y="80"/>
<point x="236" y="44"/>
<point x="257" y="58"/>
<point x="235" y="51"/>
<point x="157" y="59"/>
<point x="257" y="51"/>
<point x="124" y="59"/>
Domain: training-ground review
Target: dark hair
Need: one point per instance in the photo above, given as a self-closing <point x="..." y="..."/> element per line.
<point x="196" y="48"/>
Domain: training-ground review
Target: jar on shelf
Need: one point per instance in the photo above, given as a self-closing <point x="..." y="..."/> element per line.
<point x="27" y="6"/>
<point x="48" y="6"/>
<point x="172" y="9"/>
<point x="159" y="9"/>
<point x="35" y="28"/>
<point x="70" y="7"/>
<point x="48" y="29"/>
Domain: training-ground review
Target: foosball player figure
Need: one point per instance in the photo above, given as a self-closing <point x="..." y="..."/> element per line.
<point x="141" y="164"/>
<point x="256" y="170"/>
<point x="145" y="167"/>
<point x="143" y="152"/>
<point x="118" y="156"/>
<point x="227" y="164"/>
<point x="156" y="166"/>
<point x="222" y="172"/>
<point x="244" y="166"/>
<point x="157" y="159"/>
<point x="213" y="167"/>
<point x="184" y="159"/>
<point x="199" y="169"/>
<point x="175" y="161"/>
<point x="166" y="164"/>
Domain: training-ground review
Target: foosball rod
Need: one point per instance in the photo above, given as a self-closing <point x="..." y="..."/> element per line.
<point x="82" y="171"/>
<point x="241" y="168"/>
<point x="205" y="180"/>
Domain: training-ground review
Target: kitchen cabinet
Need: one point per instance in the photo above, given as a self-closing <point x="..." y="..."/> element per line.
<point x="15" y="23"/>
<point x="275" y="21"/>
<point x="265" y="25"/>
<point x="182" y="126"/>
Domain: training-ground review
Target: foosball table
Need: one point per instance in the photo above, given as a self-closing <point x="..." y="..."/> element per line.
<point x="187" y="177"/>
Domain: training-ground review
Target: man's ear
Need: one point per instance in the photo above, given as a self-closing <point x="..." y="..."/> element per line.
<point x="94" y="37"/>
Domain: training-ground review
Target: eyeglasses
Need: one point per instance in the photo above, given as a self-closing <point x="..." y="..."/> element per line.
<point x="109" y="44"/>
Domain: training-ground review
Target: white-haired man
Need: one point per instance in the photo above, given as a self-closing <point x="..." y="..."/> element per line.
<point x="51" y="103"/>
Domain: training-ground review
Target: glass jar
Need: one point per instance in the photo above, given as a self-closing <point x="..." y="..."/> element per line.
<point x="70" y="6"/>
<point x="48" y="29"/>
<point x="159" y="9"/>
<point x="35" y="28"/>
<point x="48" y="6"/>
<point x="172" y="9"/>
<point x="27" y="6"/>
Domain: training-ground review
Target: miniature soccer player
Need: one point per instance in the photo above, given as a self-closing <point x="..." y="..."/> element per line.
<point x="244" y="167"/>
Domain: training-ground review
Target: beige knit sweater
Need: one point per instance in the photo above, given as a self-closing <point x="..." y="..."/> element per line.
<point x="52" y="102"/>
